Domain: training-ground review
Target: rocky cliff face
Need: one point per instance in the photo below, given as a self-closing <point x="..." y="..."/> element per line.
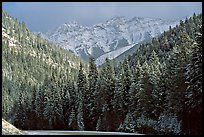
<point x="116" y="33"/>
<point x="8" y="129"/>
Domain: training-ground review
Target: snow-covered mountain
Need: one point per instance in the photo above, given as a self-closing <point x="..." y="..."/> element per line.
<point x="116" y="33"/>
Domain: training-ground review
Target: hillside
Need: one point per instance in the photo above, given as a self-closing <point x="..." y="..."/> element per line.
<point x="27" y="61"/>
<point x="166" y="75"/>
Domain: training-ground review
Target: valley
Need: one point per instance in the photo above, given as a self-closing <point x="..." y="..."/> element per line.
<point x="122" y="77"/>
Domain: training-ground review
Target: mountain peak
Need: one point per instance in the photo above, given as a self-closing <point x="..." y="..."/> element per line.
<point x="102" y="38"/>
<point x="72" y="23"/>
<point x="116" y="19"/>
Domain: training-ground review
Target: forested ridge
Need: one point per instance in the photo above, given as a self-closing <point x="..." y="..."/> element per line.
<point x="157" y="90"/>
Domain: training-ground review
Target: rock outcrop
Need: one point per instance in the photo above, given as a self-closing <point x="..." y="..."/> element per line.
<point x="9" y="129"/>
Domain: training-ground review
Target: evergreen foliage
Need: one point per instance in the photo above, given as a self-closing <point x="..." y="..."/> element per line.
<point x="157" y="90"/>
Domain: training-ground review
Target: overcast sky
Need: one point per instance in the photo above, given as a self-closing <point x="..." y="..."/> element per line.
<point x="43" y="16"/>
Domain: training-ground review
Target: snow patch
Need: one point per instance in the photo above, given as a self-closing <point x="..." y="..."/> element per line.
<point x="112" y="54"/>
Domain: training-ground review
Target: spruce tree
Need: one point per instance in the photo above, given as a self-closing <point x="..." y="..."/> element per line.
<point x="144" y="102"/>
<point x="82" y="87"/>
<point x="193" y="94"/>
<point x="90" y="96"/>
<point x="154" y="78"/>
<point x="107" y="88"/>
<point x="135" y="88"/>
<point x="126" y="81"/>
<point x="118" y="96"/>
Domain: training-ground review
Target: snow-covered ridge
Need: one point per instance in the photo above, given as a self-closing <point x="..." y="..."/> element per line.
<point x="102" y="38"/>
<point x="113" y="54"/>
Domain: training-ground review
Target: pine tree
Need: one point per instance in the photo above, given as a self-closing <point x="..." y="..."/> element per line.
<point x="194" y="74"/>
<point x="71" y="112"/>
<point x="72" y="119"/>
<point x="40" y="106"/>
<point x="179" y="58"/>
<point x="20" y="115"/>
<point x="118" y="97"/>
<point x="193" y="94"/>
<point x="144" y="98"/>
<point x="53" y="110"/>
<point x="168" y="124"/>
<point x="175" y="77"/>
<point x="49" y="107"/>
<point x="126" y="81"/>
<point x="154" y="78"/>
<point x="129" y="124"/>
<point x="90" y="97"/>
<point x="31" y="108"/>
<point x="82" y="87"/>
<point x="164" y="89"/>
<point x="136" y="87"/>
<point x="80" y="119"/>
<point x="65" y="101"/>
<point x="107" y="84"/>
<point x="121" y="94"/>
<point x="107" y="88"/>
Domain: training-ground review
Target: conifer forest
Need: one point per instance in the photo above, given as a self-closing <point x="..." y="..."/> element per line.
<point x="155" y="90"/>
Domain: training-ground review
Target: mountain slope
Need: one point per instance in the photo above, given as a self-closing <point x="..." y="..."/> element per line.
<point x="28" y="61"/>
<point x="171" y="65"/>
<point x="113" y="54"/>
<point x="19" y="42"/>
<point x="103" y="38"/>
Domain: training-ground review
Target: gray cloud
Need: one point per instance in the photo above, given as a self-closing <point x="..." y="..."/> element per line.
<point x="42" y="16"/>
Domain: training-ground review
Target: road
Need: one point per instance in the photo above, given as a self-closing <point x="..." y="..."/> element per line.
<point x="62" y="132"/>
